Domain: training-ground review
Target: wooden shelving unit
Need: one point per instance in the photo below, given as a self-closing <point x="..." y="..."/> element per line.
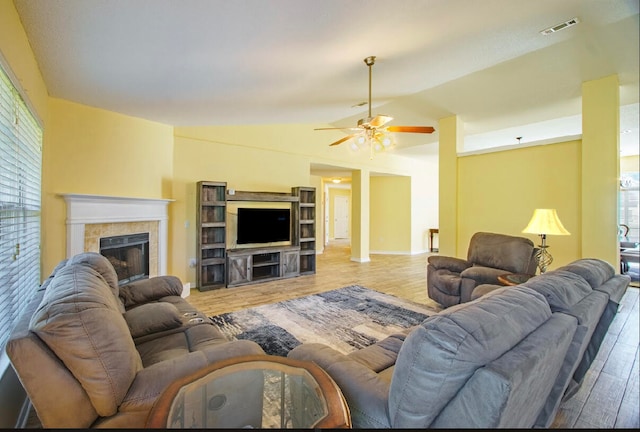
<point x="219" y="267"/>
<point x="211" y="236"/>
<point x="304" y="231"/>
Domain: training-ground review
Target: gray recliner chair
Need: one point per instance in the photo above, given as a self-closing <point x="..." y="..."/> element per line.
<point x="452" y="280"/>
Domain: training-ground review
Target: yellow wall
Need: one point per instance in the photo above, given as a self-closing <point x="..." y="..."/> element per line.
<point x="16" y="52"/>
<point x="451" y="141"/>
<point x="93" y="151"/>
<point x="601" y="168"/>
<point x="499" y="191"/>
<point x="239" y="156"/>
<point x="390" y="221"/>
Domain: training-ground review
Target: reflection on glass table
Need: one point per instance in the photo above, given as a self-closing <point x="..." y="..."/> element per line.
<point x="253" y="391"/>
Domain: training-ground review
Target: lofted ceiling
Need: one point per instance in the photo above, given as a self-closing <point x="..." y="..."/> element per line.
<point x="220" y="62"/>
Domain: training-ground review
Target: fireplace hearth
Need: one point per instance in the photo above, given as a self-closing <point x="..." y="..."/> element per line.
<point x="129" y="255"/>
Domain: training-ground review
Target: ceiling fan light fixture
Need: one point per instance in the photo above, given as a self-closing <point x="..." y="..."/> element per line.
<point x="373" y="131"/>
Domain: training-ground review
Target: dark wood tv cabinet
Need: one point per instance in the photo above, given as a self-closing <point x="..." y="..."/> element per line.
<point x="252" y="265"/>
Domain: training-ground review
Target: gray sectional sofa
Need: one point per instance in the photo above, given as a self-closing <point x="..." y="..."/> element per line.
<point x="504" y="360"/>
<point x="92" y="354"/>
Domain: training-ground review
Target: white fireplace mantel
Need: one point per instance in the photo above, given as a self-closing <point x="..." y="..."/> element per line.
<point x="93" y="209"/>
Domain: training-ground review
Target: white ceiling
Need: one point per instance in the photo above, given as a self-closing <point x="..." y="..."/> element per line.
<point x="220" y="62"/>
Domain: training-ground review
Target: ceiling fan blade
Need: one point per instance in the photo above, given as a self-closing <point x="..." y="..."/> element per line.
<point x="340" y="128"/>
<point x="341" y="140"/>
<point x="380" y="120"/>
<point x="412" y="129"/>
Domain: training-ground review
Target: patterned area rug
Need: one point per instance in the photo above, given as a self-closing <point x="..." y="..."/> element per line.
<point x="346" y="319"/>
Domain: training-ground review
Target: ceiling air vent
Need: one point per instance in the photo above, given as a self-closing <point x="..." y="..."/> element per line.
<point x="561" y="26"/>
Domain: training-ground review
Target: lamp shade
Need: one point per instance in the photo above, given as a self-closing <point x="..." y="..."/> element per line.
<point x="545" y="221"/>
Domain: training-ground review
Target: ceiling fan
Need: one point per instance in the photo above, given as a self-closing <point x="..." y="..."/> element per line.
<point x="372" y="130"/>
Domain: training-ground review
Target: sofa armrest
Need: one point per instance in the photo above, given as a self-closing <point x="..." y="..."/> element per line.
<point x="365" y="391"/>
<point x="453" y="264"/>
<point x="146" y="290"/>
<point x="483" y="275"/>
<point x="152" y="318"/>
<point x="150" y="382"/>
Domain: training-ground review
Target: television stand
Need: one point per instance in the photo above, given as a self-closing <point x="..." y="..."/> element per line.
<point x="253" y="265"/>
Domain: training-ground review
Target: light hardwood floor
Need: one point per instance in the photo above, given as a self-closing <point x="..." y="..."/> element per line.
<point x="608" y="398"/>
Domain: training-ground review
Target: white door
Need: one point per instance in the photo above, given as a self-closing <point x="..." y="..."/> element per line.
<point x="341" y="217"/>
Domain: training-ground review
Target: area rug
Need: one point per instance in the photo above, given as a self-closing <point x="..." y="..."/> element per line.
<point x="347" y="319"/>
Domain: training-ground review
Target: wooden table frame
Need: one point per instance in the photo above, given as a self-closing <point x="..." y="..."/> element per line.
<point x="507" y="279"/>
<point x="338" y="411"/>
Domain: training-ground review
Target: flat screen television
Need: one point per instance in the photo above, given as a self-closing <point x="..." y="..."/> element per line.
<point x="263" y="225"/>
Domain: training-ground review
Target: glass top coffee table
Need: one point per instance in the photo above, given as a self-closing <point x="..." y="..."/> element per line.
<point x="259" y="391"/>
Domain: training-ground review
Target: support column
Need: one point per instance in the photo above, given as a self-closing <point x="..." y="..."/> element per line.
<point x="360" y="216"/>
<point x="601" y="169"/>
<point x="451" y="141"/>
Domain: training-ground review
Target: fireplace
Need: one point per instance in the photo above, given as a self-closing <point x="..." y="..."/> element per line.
<point x="93" y="217"/>
<point x="129" y="255"/>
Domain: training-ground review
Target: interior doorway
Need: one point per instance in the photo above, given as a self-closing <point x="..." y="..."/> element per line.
<point x="341" y="217"/>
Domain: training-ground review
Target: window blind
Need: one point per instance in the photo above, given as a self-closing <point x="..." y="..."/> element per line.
<point x="20" y="186"/>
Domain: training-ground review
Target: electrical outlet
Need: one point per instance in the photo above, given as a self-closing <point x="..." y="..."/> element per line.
<point x="192" y="262"/>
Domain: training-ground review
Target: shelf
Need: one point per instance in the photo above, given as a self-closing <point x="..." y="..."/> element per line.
<point x="262" y="196"/>
<point x="211" y="272"/>
<point x="213" y="246"/>
<point x="266" y="264"/>
<point x="213" y="225"/>
<point x="212" y="261"/>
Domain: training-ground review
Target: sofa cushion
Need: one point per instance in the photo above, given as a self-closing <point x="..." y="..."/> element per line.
<point x="441" y="354"/>
<point x="447" y="281"/>
<point x="562" y="289"/>
<point x="381" y="355"/>
<point x="79" y="319"/>
<point x="594" y="271"/>
<point x="483" y="275"/>
<point x="148" y="290"/>
<point x="500" y="251"/>
<point x="101" y="265"/>
<point x="453" y="264"/>
<point x="152" y="318"/>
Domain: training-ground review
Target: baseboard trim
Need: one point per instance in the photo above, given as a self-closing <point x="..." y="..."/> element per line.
<point x="361" y="260"/>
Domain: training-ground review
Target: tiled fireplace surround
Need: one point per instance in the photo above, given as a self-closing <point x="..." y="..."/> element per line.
<point x="91" y="217"/>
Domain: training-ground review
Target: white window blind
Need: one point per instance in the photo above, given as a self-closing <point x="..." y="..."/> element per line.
<point x="20" y="184"/>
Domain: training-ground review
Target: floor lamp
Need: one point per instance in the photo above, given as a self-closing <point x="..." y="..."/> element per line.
<point x="543" y="222"/>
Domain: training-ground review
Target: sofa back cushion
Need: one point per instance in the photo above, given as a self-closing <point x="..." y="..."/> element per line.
<point x="101" y="264"/>
<point x="80" y="321"/>
<point x="562" y="289"/>
<point x="512" y="391"/>
<point x="594" y="271"/>
<point x="514" y="254"/>
<point x="441" y="354"/>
